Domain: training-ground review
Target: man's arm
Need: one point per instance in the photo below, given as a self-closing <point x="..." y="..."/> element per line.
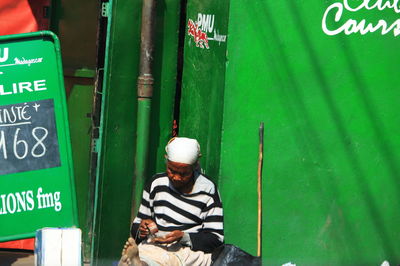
<point x="212" y="234"/>
<point x="143" y="218"/>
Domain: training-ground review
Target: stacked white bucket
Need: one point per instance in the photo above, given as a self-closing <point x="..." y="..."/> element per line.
<point x="58" y="247"/>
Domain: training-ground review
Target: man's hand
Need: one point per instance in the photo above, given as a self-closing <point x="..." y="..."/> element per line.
<point x="169" y="238"/>
<point x="145" y="226"/>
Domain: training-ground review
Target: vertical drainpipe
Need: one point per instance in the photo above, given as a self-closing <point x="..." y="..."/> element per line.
<point x="145" y="94"/>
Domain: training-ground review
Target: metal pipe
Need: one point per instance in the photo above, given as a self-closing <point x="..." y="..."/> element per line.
<point x="145" y="80"/>
<point x="145" y="93"/>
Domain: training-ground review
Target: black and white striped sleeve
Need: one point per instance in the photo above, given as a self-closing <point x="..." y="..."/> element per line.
<point x="145" y="212"/>
<point x="211" y="235"/>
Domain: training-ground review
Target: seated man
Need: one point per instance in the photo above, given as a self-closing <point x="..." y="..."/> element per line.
<point x="180" y="219"/>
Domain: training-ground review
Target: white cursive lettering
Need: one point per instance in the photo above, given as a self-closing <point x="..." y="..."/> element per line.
<point x="351" y="26"/>
<point x="23" y="61"/>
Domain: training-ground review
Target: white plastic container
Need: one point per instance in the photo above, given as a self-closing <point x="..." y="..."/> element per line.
<point x="58" y="247"/>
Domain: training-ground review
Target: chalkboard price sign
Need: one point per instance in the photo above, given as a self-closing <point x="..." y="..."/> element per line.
<point x="28" y="137"/>
<point x="37" y="187"/>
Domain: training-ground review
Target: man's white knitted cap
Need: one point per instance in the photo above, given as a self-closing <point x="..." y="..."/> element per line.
<point x="183" y="150"/>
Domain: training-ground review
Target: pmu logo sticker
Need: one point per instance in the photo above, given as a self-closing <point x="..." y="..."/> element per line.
<point x="202" y="28"/>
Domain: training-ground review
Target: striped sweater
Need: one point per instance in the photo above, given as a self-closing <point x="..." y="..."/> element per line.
<point x="198" y="213"/>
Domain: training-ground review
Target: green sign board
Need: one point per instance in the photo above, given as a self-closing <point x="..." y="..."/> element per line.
<point x="36" y="172"/>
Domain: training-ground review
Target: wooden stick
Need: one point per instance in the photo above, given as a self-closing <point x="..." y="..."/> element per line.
<point x="259" y="189"/>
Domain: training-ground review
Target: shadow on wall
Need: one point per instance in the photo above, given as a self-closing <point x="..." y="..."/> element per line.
<point x="352" y="157"/>
<point x="294" y="104"/>
<point x="294" y="101"/>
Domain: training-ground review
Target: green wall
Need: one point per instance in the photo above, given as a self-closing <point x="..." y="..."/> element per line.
<point x="165" y="73"/>
<point x="330" y="189"/>
<point x="203" y="82"/>
<point x="80" y="101"/>
<point x="114" y="184"/>
<point x="329" y="104"/>
<point x="118" y="138"/>
<point x="330" y="178"/>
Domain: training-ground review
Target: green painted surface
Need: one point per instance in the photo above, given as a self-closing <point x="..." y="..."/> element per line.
<point x="329" y="103"/>
<point x="116" y="169"/>
<point x="165" y="71"/>
<point x="329" y="107"/>
<point x="79" y="110"/>
<point x="203" y="82"/>
<point x="142" y="149"/>
<point x="39" y="187"/>
<point x="116" y="165"/>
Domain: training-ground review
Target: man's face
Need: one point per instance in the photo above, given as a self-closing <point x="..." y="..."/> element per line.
<point x="180" y="174"/>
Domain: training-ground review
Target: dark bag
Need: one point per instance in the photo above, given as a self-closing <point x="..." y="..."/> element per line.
<point x="230" y="255"/>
